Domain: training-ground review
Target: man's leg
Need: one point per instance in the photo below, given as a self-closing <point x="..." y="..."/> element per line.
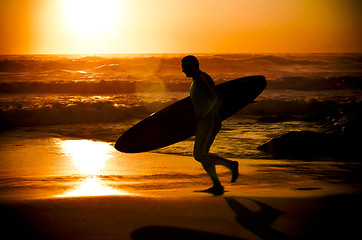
<point x="213" y="127"/>
<point x="203" y="141"/>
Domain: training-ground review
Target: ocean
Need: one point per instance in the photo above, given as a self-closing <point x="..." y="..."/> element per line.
<point x="97" y="98"/>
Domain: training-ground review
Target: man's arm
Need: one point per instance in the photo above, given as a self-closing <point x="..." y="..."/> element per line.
<point x="211" y="94"/>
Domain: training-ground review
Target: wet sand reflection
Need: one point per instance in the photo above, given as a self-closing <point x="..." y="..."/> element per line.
<point x="89" y="157"/>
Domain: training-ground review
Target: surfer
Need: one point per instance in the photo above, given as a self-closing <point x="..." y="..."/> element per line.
<point x="208" y="123"/>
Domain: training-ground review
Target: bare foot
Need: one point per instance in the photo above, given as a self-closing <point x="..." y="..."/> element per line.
<point x="234" y="171"/>
<point x="216" y="190"/>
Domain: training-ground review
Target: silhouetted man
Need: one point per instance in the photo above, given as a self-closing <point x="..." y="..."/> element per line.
<point x="205" y="104"/>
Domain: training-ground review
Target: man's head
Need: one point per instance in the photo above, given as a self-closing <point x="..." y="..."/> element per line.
<point x="190" y="66"/>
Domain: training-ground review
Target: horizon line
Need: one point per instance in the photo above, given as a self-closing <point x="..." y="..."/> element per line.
<point x="180" y="53"/>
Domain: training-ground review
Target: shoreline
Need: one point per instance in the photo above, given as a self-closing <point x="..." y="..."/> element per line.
<point x="45" y="166"/>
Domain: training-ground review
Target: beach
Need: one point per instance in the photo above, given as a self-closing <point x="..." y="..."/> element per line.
<point x="155" y="196"/>
<point x="105" y="105"/>
<point x="61" y="178"/>
<point x="198" y="217"/>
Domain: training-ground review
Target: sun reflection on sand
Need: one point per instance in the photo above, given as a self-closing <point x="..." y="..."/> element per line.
<point x="89" y="157"/>
<point x="93" y="186"/>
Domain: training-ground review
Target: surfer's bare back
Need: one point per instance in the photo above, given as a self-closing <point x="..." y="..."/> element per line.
<point x="208" y="123"/>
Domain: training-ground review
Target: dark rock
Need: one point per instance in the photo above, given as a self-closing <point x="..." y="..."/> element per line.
<point x="339" y="135"/>
<point x="309" y="143"/>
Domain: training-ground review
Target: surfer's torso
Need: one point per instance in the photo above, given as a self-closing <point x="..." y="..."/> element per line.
<point x="203" y="96"/>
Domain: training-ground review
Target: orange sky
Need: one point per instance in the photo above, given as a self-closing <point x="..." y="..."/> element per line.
<point x="179" y="26"/>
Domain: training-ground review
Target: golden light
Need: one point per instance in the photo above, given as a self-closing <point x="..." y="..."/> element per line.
<point x="93" y="18"/>
<point x="146" y="94"/>
<point x="89" y="157"/>
<point x="179" y="26"/>
<point x="93" y="187"/>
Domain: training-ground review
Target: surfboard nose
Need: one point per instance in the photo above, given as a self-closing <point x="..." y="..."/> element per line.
<point x="122" y="146"/>
<point x="118" y="146"/>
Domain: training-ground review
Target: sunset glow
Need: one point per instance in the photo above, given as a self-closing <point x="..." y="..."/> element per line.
<point x="161" y="26"/>
<point x="89" y="157"/>
<point x="93" y="187"/>
<point x="92" y="17"/>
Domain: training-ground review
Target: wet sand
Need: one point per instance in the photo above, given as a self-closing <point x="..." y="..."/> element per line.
<point x="199" y="217"/>
<point x="48" y="192"/>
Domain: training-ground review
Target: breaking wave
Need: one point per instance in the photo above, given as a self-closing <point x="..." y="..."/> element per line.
<point x="64" y="89"/>
<point x="84" y="87"/>
<point x="316" y="83"/>
<point x="53" y="113"/>
<point x="114" y="87"/>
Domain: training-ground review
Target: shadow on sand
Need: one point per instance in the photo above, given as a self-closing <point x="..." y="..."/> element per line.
<point x="258" y="222"/>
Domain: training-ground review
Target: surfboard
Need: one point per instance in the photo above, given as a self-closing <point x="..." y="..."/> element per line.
<point x="176" y="122"/>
